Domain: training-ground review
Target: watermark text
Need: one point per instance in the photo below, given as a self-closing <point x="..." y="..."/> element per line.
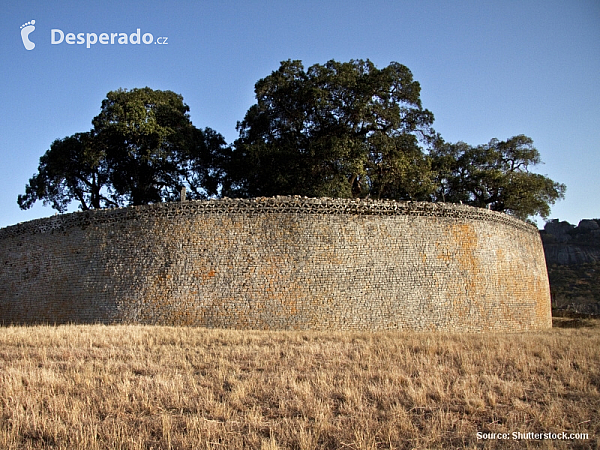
<point x="518" y="436"/>
<point x="58" y="36"/>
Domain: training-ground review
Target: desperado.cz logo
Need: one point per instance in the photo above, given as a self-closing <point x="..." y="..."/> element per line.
<point x="58" y="36"/>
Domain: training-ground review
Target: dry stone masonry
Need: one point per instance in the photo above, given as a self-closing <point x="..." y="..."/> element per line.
<point x="278" y="263"/>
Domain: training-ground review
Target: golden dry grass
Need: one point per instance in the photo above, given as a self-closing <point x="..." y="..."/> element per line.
<point x="142" y="387"/>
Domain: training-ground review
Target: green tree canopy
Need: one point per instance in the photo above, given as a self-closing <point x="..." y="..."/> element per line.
<point x="142" y="149"/>
<point x="496" y="176"/>
<point x="73" y="169"/>
<point x="338" y="130"/>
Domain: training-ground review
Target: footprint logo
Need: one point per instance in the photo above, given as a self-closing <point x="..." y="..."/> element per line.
<point x="26" y="29"/>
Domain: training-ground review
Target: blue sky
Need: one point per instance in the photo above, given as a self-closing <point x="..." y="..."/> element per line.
<point x="488" y="69"/>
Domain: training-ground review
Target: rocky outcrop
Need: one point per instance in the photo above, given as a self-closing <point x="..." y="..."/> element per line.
<point x="569" y="244"/>
<point x="573" y="261"/>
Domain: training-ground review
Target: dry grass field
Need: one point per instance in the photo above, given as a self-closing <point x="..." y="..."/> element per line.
<point x="142" y="387"/>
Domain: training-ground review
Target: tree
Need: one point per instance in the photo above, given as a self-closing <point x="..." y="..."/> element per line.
<point x="143" y="149"/>
<point x="338" y="130"/>
<point x="496" y="176"/>
<point x="73" y="169"/>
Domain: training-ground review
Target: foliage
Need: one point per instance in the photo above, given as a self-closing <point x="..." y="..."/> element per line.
<point x="337" y="130"/>
<point x="73" y="169"/>
<point x="495" y="176"/>
<point x="575" y="287"/>
<point x="352" y="130"/>
<point x="143" y="149"/>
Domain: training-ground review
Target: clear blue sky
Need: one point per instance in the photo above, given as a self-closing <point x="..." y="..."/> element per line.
<point x="488" y="69"/>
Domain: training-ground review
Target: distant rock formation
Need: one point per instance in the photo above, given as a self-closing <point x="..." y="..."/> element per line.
<point x="569" y="244"/>
<point x="573" y="261"/>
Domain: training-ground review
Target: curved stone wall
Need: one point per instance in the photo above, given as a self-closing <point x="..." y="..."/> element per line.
<point x="278" y="263"/>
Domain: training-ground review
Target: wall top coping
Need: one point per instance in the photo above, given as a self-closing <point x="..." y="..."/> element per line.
<point x="261" y="206"/>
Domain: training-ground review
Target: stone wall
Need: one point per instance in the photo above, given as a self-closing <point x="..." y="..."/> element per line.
<point x="278" y="263"/>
